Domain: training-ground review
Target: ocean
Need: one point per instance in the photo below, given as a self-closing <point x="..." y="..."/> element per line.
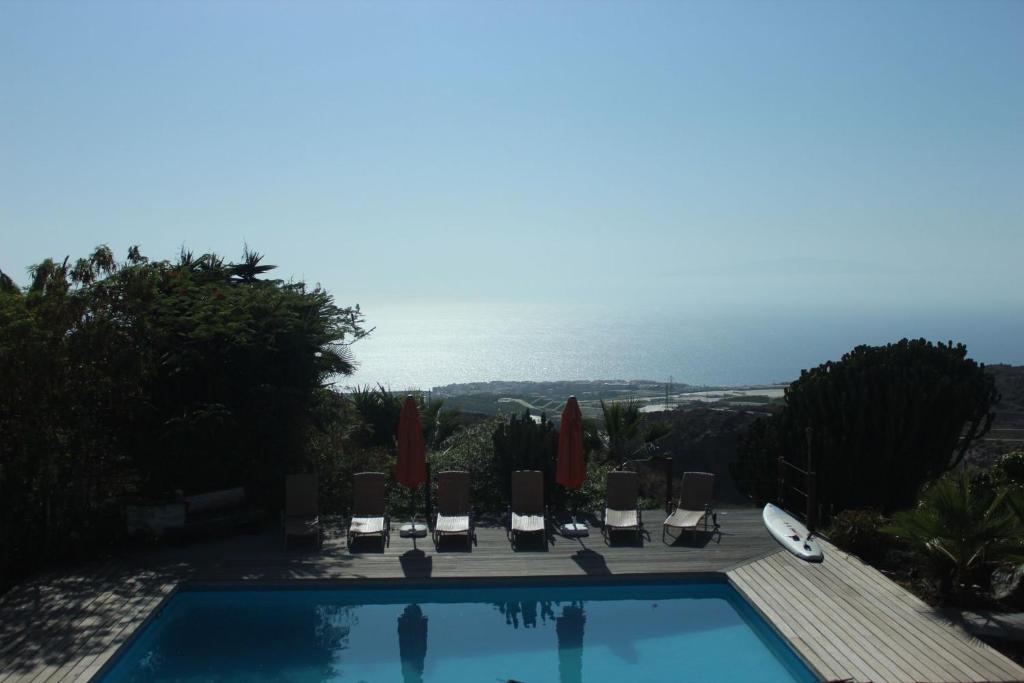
<point x="420" y="345"/>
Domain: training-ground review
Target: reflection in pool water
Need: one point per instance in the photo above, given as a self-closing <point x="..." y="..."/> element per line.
<point x="569" y="633"/>
<point x="412" y="643"/>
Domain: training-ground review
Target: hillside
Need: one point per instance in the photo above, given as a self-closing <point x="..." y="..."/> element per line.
<point x="493" y="398"/>
<point x="1008" y="426"/>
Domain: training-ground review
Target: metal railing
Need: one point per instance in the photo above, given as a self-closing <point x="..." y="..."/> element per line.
<point x="810" y="491"/>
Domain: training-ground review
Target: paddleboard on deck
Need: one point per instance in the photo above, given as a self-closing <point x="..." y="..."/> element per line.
<point x="793" y="535"/>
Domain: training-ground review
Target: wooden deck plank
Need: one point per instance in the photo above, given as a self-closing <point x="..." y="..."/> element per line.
<point x="887" y="596"/>
<point x="906" y="641"/>
<point x="829" y="602"/>
<point x="69" y="596"/>
<point x="102" y="616"/>
<point x="889" y="635"/>
<point x="891" y="599"/>
<point x="865" y="619"/>
<point x="136" y="611"/>
<point x="875" y="664"/>
<point x="818" y="653"/>
<point x="50" y="617"/>
<point x="86" y="667"/>
<point x="934" y="649"/>
<point x="918" y="626"/>
<point x="855" y="665"/>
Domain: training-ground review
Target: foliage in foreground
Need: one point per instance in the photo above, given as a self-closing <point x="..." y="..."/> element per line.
<point x="491" y="450"/>
<point x="964" y="531"/>
<point x="861" y="532"/>
<point x="150" y="377"/>
<point x="883" y="421"/>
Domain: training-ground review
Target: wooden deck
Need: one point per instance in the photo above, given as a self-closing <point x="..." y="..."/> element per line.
<point x="856" y="625"/>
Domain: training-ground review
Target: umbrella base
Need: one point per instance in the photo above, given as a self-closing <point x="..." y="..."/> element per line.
<point x="574" y="529"/>
<point x="412" y="530"/>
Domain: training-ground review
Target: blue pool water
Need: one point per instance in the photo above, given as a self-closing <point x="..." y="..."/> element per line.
<point x="679" y="631"/>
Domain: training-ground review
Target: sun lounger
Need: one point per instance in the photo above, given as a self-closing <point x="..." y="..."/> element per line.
<point x="526" y="512"/>
<point x="622" y="508"/>
<point x="453" y="509"/>
<point x="369" y="507"/>
<point x="695" y="504"/>
<point x="302" y="508"/>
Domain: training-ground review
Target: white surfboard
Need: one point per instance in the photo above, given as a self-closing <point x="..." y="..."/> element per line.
<point x="793" y="535"/>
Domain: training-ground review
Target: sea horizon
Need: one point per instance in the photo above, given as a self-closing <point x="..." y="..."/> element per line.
<point x="423" y="346"/>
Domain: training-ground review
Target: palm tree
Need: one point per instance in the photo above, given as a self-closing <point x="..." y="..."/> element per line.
<point x="625" y="433"/>
<point x="621" y="427"/>
<point x="250" y="267"/>
<point x="378" y="411"/>
<point x="963" y="529"/>
<point x="438" y="424"/>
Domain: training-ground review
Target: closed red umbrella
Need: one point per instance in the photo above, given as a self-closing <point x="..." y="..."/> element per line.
<point x="412" y="449"/>
<point x="411" y="470"/>
<point x="571" y="470"/>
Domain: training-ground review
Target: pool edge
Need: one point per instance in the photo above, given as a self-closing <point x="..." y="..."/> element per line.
<point x="774" y="627"/>
<point x="509" y="581"/>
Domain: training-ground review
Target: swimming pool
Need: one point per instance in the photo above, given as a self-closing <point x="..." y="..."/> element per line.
<point x="559" y="632"/>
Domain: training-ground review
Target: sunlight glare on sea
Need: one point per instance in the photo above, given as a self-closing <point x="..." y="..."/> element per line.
<point x="419" y="346"/>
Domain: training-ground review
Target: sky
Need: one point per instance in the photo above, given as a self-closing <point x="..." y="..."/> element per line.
<point x="706" y="156"/>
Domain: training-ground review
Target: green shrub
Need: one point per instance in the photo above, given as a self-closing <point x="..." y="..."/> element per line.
<point x="880" y="422"/>
<point x="861" y="532"/>
<point x="141" y="378"/>
<point x="520" y="443"/>
<point x="472" y="450"/>
<point x="590" y="498"/>
<point x="963" y="530"/>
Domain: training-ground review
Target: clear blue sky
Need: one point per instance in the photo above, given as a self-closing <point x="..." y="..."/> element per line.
<point x="865" y="154"/>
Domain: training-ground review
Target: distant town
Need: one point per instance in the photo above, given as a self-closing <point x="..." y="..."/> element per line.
<point x="501" y="397"/>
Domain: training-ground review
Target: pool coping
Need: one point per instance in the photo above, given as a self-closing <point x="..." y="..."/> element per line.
<point x="721" y="577"/>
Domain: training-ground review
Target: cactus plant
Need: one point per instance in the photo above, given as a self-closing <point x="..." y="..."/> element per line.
<point x="884" y="420"/>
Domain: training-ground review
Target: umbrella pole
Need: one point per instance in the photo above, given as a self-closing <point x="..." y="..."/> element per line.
<point x="572" y="515"/>
<point x="413" y="520"/>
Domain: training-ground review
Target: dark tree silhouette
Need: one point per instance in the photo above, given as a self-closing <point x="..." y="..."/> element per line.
<point x="883" y="421"/>
<point x="145" y="378"/>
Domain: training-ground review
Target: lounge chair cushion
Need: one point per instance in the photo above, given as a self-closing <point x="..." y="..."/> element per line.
<point x="366" y="525"/>
<point x="685" y="519"/>
<point x="527" y="522"/>
<point x="452" y="524"/>
<point x="621" y="519"/>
